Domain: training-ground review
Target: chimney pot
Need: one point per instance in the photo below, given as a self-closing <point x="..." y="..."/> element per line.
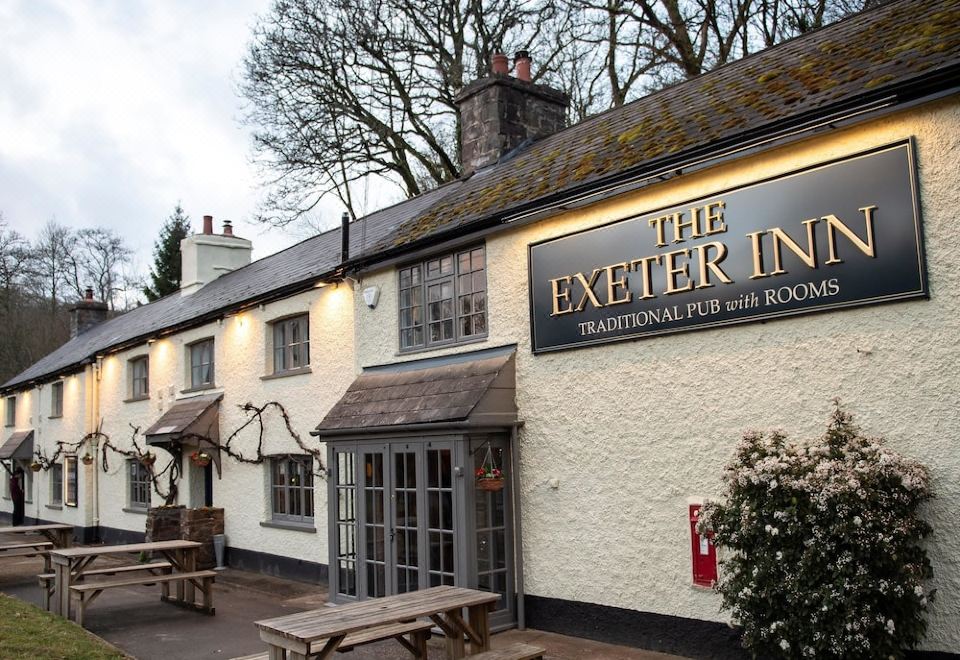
<point x="88" y="294"/>
<point x="499" y="65"/>
<point x="227" y="228"/>
<point x="521" y="64"/>
<point x="208" y="224"/>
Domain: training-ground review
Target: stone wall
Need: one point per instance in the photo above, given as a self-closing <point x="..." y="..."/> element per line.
<point x="178" y="522"/>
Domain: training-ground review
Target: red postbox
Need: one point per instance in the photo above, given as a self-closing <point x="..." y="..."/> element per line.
<point x="703" y="553"/>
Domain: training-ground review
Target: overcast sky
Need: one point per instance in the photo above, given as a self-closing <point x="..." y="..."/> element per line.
<point x="113" y="110"/>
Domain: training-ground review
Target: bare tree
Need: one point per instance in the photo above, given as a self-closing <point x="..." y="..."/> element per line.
<point x="16" y="264"/>
<point x="51" y="251"/>
<point x="340" y="91"/>
<point x="95" y="258"/>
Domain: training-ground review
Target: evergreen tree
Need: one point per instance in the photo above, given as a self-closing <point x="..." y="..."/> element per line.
<point x="165" y="274"/>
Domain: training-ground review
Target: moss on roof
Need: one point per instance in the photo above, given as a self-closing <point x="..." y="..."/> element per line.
<point x="867" y="53"/>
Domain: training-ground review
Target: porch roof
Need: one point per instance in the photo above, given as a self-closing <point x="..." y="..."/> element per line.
<point x="18" y="446"/>
<point x="198" y="415"/>
<point x="474" y="388"/>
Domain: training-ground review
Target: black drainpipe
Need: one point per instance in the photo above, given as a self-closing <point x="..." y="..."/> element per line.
<point x="344" y="237"/>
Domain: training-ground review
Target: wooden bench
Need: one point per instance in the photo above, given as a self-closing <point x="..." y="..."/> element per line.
<point x="419" y="632"/>
<point x="87" y="592"/>
<point x="46" y="579"/>
<point x="516" y="651"/>
<point x="38" y="549"/>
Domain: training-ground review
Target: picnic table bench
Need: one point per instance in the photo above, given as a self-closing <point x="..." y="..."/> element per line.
<point x="72" y="568"/>
<point x="60" y="535"/>
<point x="316" y="634"/>
<point x="47" y="579"/>
<point x="37" y="549"/>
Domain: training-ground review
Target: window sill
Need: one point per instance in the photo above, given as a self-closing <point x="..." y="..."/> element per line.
<point x="133" y="509"/>
<point x="137" y="398"/>
<point x="292" y="526"/>
<point x="287" y="373"/>
<point x="55" y="507"/>
<point x="54" y="416"/>
<point x="439" y="347"/>
<point x="201" y="388"/>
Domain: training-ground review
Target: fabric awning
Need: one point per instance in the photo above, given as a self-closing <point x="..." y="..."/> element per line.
<point x="451" y="389"/>
<point x="18" y="446"/>
<point x="198" y="418"/>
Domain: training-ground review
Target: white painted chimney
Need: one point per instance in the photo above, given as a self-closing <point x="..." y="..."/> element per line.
<point x="207" y="256"/>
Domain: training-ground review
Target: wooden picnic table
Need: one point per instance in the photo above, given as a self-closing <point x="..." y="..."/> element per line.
<point x="318" y="633"/>
<point x="69" y="565"/>
<point x="61" y="535"/>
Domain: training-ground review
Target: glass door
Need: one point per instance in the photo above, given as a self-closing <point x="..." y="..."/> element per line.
<point x="407" y="514"/>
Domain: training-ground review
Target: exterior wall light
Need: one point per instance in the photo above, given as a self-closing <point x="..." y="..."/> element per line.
<point x="371" y="295"/>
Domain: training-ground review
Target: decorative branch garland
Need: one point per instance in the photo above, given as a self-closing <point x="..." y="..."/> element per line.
<point x="173" y="469"/>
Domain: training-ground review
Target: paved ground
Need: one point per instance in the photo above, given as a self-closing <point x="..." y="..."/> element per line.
<point x="135" y="620"/>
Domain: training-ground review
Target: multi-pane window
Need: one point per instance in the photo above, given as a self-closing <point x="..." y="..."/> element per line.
<point x="201" y="364"/>
<point x="291" y="344"/>
<point x="70" y="491"/>
<point x="443" y="300"/>
<point x="139" y="484"/>
<point x="11" y="411"/>
<point x="291" y="488"/>
<point x="56" y="399"/>
<point x="140" y="378"/>
<point x="56" y="483"/>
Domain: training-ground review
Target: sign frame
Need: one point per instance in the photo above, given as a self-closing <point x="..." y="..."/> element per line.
<point x="922" y="292"/>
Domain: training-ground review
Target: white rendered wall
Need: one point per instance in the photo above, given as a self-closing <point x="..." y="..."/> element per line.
<point x="240" y="344"/>
<point x="33" y="412"/>
<point x="636" y="430"/>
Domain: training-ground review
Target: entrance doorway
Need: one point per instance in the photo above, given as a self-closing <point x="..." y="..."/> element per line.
<point x="405" y="514"/>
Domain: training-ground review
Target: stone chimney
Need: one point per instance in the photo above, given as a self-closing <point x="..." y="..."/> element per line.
<point x="499" y="113"/>
<point x="207" y="256"/>
<point x="86" y="313"/>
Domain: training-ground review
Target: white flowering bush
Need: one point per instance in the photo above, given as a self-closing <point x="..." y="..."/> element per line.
<point x="823" y="547"/>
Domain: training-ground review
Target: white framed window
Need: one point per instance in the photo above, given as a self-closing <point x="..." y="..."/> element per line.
<point x="139" y="377"/>
<point x="138" y="484"/>
<point x="56" y="483"/>
<point x="291" y="488"/>
<point x="72" y="480"/>
<point x="443" y="300"/>
<point x="201" y="364"/>
<point x="291" y="343"/>
<point x="56" y="399"/>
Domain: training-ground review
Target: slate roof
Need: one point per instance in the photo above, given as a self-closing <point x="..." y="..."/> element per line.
<point x="182" y="415"/>
<point x="866" y="55"/>
<point x="910" y="47"/>
<point x="447" y="393"/>
<point x="18" y="445"/>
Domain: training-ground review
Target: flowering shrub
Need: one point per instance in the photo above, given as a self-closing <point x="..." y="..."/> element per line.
<point x="825" y="559"/>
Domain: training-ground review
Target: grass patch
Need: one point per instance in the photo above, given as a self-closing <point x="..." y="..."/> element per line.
<point x="27" y="632"/>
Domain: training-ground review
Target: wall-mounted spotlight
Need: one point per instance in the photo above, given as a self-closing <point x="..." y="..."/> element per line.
<point x="371" y="296"/>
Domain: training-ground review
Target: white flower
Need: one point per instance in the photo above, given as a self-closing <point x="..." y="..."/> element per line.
<point x="918" y="590"/>
<point x="890" y="626"/>
<point x="784" y="644"/>
<point x="857" y="521"/>
<point x="779" y="555"/>
<point x="774" y="531"/>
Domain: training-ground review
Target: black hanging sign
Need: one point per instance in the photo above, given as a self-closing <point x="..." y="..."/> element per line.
<point x="840" y="234"/>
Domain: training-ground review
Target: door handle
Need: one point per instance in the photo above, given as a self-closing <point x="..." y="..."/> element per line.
<point x="393" y="533"/>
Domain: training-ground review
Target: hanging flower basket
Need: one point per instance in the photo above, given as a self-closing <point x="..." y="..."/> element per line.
<point x="489" y="476"/>
<point x="35" y="467"/>
<point x="87" y="459"/>
<point x="148" y="459"/>
<point x="200" y="458"/>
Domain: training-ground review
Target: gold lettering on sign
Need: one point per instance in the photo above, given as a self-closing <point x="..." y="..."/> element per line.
<point x="674" y="271"/>
<point x="614" y="284"/>
<point x="559" y="296"/>
<point x="708" y="265"/>
<point x="781" y="238"/>
<point x="713" y="213"/>
<point x="834" y="223"/>
<point x="679" y="225"/>
<point x="588" y="289"/>
<point x="756" y="249"/>
<point x="658" y="223"/>
<point x="643" y="266"/>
